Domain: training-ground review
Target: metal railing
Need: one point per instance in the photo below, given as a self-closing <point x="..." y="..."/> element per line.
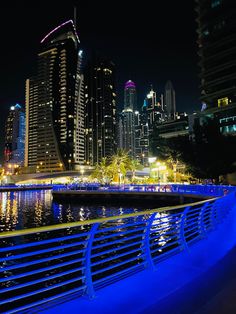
<point x="39" y="265"/>
<point x="209" y="190"/>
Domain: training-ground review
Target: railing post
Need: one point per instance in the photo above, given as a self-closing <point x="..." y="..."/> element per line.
<point x="181" y="228"/>
<point x="202" y="228"/>
<point x="88" y="273"/>
<point x="147" y="251"/>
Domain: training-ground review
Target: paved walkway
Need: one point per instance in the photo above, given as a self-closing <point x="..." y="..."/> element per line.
<point x="201" y="281"/>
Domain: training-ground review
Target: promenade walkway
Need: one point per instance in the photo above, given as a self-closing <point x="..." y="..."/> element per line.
<point x="201" y="281"/>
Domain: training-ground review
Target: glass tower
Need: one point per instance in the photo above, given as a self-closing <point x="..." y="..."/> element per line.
<point x="55" y="104"/>
<point x="216" y="49"/>
<point x="100" y="110"/>
<point x="14" y="137"/>
<point x="127" y="120"/>
<point x="170" y="104"/>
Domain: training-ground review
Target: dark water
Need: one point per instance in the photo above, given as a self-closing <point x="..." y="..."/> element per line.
<point x="28" y="209"/>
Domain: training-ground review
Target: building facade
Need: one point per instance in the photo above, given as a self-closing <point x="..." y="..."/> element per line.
<point x="55" y="104"/>
<point x="216" y="49"/>
<point x="169" y="101"/>
<point x="100" y="110"/>
<point x="14" y="138"/>
<point x="127" y="120"/>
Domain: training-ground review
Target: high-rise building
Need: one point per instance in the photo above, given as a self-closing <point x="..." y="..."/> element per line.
<point x="216" y="49"/>
<point x="130" y="97"/>
<point x="127" y="131"/>
<point x="141" y="138"/>
<point x="14" y="138"/>
<point x="55" y="104"/>
<point x="100" y="110"/>
<point x="152" y="110"/>
<point x="169" y="101"/>
<point x="127" y="119"/>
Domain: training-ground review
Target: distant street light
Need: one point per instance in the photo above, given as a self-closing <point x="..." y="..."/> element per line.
<point x="69" y="161"/>
<point x="82" y="172"/>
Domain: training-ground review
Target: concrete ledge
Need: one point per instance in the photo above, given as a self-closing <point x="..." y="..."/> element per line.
<point x="163" y="198"/>
<point x="25" y="188"/>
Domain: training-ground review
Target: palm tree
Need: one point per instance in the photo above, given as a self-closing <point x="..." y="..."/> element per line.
<point x="102" y="171"/>
<point x="120" y="163"/>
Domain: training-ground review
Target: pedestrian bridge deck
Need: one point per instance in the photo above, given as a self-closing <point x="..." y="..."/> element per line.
<point x="201" y="280"/>
<point x="132" y="263"/>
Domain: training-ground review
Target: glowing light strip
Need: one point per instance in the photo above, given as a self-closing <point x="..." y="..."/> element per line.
<point x="129" y="84"/>
<point x="58" y="27"/>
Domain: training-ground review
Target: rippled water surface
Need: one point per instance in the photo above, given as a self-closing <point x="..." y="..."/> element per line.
<point x="19" y="210"/>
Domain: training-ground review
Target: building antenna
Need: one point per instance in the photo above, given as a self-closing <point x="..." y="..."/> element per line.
<point x="75" y="17"/>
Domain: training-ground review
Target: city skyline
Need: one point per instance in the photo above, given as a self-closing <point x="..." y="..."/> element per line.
<point x="164" y="55"/>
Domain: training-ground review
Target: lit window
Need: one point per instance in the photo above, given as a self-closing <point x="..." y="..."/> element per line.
<point x="215" y="3"/>
<point x="223" y="102"/>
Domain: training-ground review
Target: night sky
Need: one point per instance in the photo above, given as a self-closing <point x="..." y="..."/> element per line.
<point x="148" y="45"/>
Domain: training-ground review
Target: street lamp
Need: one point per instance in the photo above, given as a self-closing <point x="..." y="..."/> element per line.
<point x="143" y="155"/>
<point x="82" y="172"/>
<point x="69" y="161"/>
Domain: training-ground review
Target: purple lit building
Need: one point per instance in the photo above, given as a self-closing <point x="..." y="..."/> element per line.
<point x="130" y="96"/>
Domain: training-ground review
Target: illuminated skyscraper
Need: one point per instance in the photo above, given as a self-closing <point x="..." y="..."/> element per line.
<point x="100" y="110"/>
<point x="152" y="110"/>
<point x="127" y="120"/>
<point x="130" y="97"/>
<point x="169" y="101"/>
<point x="14" y="137"/>
<point x="55" y="104"/>
<point x="216" y="49"/>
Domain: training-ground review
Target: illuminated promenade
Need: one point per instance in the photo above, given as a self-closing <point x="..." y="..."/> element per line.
<point x="127" y="264"/>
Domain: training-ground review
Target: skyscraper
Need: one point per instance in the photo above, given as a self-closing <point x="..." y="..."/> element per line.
<point x="100" y="110"/>
<point x="127" y="119"/>
<point x="127" y="131"/>
<point x="216" y="49"/>
<point x="169" y="101"/>
<point x="55" y="104"/>
<point x="14" y="137"/>
<point x="130" y="97"/>
<point x="152" y="110"/>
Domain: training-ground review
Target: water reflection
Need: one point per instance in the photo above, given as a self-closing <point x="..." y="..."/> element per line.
<point x="27" y="209"/>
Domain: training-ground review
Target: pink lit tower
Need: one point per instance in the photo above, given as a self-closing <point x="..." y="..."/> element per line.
<point x="55" y="105"/>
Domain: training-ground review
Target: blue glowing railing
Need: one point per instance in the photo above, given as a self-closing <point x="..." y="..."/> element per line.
<point x="39" y="265"/>
<point x="209" y="190"/>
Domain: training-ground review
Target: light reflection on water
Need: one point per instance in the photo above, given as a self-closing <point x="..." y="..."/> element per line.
<point x="27" y="209"/>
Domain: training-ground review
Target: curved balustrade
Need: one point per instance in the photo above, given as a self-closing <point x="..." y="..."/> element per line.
<point x="43" y="264"/>
<point x="210" y="190"/>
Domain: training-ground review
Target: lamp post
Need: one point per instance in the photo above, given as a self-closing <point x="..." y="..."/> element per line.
<point x="143" y="155"/>
<point x="82" y="172"/>
<point x="40" y="168"/>
<point x="69" y="162"/>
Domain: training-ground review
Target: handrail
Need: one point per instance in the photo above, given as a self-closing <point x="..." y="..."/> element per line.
<point x="55" y="227"/>
<point x="42" y="264"/>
